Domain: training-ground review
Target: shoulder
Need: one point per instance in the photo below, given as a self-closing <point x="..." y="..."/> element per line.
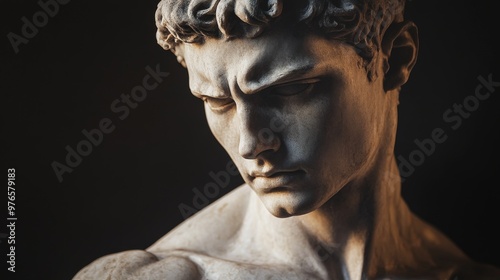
<point x="137" y="264"/>
<point x="209" y="229"/>
<point x="212" y="227"/>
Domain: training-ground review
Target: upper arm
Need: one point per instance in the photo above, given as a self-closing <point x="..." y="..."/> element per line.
<point x="136" y="264"/>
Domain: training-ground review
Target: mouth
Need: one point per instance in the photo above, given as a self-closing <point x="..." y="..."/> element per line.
<point x="277" y="180"/>
<point x="284" y="173"/>
<point x="274" y="173"/>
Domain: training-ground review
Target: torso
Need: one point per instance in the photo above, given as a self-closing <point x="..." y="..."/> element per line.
<point x="227" y="240"/>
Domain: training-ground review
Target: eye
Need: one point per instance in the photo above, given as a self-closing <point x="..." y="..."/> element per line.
<point x="294" y="88"/>
<point x="217" y="104"/>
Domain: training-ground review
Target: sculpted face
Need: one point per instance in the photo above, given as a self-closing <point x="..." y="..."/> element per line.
<point x="295" y="112"/>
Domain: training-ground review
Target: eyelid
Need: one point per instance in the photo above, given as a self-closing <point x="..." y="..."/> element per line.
<point x="203" y="96"/>
<point x="296" y="82"/>
<point x="217" y="95"/>
<point x="225" y="102"/>
<point x="309" y="83"/>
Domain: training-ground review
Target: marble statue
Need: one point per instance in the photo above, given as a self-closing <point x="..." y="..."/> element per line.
<point x="321" y="198"/>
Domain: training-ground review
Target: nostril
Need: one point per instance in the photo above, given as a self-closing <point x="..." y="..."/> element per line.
<point x="251" y="147"/>
<point x="247" y="154"/>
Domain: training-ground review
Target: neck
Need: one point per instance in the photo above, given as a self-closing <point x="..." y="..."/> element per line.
<point x="363" y="227"/>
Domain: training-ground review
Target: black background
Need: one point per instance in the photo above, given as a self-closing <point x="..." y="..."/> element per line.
<point x="125" y="194"/>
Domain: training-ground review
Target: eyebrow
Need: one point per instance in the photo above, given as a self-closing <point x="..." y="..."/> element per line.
<point x="255" y="85"/>
<point x="291" y="74"/>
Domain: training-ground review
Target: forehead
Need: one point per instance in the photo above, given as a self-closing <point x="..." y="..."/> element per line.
<point x="249" y="65"/>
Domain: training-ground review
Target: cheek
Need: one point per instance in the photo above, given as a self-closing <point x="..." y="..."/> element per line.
<point x="337" y="132"/>
<point x="354" y="133"/>
<point x="225" y="130"/>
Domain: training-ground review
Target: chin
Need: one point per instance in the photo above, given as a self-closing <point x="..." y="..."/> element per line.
<point x="286" y="204"/>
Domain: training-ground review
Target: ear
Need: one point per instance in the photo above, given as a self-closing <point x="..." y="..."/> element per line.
<point x="400" y="50"/>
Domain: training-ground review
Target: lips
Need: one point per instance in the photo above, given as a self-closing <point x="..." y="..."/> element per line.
<point x="277" y="180"/>
<point x="275" y="173"/>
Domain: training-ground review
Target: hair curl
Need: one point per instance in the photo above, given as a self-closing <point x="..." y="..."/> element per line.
<point x="360" y="23"/>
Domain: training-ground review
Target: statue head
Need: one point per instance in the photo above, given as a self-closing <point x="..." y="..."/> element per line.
<point x="301" y="94"/>
<point x="361" y="24"/>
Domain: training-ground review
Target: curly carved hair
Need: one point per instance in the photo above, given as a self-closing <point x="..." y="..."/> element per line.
<point x="360" y="23"/>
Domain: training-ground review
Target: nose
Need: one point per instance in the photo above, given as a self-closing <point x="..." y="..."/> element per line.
<point x="256" y="135"/>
